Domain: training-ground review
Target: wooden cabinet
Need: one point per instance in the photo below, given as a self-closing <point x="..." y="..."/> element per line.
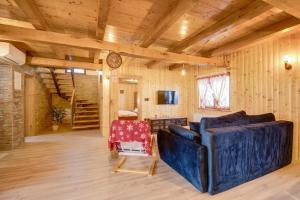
<point x="161" y="123"/>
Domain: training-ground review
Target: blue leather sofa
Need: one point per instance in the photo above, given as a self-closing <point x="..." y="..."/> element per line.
<point x="223" y="152"/>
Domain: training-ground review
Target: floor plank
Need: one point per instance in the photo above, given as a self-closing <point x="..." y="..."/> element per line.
<point x="77" y="165"/>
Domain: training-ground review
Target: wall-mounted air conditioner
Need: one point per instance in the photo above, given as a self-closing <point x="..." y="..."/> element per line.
<point x="9" y="54"/>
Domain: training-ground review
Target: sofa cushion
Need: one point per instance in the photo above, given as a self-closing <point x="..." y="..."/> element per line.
<point x="195" y="126"/>
<point x="234" y="119"/>
<point x="268" y="117"/>
<point x="183" y="132"/>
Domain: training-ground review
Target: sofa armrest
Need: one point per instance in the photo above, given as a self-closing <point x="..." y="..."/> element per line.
<point x="241" y="153"/>
<point x="185" y="133"/>
<point x="195" y="126"/>
<point x="187" y="157"/>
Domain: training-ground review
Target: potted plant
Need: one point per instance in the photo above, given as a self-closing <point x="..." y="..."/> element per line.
<point x="58" y="115"/>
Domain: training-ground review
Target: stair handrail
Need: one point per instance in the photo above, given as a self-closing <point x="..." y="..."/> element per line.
<point x="73" y="97"/>
<point x="72" y="103"/>
<point x="55" y="82"/>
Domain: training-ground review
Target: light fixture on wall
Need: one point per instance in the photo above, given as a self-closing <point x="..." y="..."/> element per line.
<point x="183" y="71"/>
<point x="287" y="62"/>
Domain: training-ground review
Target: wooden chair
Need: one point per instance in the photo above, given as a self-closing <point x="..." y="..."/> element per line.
<point x="134" y="148"/>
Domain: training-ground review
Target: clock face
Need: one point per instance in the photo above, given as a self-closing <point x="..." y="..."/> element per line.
<point x="114" y="60"/>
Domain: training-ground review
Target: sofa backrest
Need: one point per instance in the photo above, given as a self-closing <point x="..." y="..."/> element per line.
<point x="268" y="117"/>
<point x="234" y="119"/>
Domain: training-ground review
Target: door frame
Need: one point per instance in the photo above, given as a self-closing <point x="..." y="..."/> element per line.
<point x="115" y="90"/>
<point x="29" y="106"/>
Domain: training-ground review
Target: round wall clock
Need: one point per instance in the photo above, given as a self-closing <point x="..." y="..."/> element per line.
<point x="114" y="60"/>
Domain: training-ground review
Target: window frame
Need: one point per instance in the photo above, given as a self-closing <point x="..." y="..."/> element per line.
<point x="214" y="108"/>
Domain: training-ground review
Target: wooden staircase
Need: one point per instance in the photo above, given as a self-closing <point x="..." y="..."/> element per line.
<point x="85" y="114"/>
<point x="58" y="83"/>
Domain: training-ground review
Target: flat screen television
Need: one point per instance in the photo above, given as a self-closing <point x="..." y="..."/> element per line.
<point x="167" y="97"/>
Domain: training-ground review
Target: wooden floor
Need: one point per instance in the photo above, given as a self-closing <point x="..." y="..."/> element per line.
<point x="76" y="165"/>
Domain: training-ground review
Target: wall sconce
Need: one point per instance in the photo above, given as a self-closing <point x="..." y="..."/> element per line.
<point x="183" y="71"/>
<point x="287" y="62"/>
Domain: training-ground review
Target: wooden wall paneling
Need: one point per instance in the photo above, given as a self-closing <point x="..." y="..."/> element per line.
<point x="297" y="108"/>
<point x="276" y="79"/>
<point x="250" y="79"/>
<point x="254" y="80"/>
<point x="261" y="80"/>
<point x="264" y="83"/>
<point x="29" y="106"/>
<point x="239" y="81"/>
<point x="114" y="95"/>
<point x="105" y="100"/>
<point x="269" y="73"/>
<point x="155" y="79"/>
<point x="247" y="82"/>
<point x="140" y="96"/>
<point x="243" y="76"/>
<point x="294" y="99"/>
<point x="282" y="78"/>
<point x="255" y="103"/>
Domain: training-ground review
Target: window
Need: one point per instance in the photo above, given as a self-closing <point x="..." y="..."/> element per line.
<point x="214" y="91"/>
<point x="76" y="71"/>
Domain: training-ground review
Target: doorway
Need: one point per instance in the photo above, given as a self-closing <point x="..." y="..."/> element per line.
<point x="126" y="95"/>
<point x="128" y="99"/>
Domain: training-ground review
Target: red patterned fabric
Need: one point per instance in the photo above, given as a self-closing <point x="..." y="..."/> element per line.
<point x="129" y="131"/>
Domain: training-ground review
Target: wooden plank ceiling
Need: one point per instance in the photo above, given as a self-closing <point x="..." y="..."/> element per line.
<point x="196" y="27"/>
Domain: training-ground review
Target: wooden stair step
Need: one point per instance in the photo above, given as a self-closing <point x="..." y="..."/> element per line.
<point x="45" y="76"/>
<point x="81" y="100"/>
<point x="65" y="84"/>
<point x="85" y="116"/>
<point x="86" y="103"/>
<point x="49" y="85"/>
<point x="86" y="121"/>
<point x="86" y="107"/>
<point x="65" y="91"/>
<point x="63" y="76"/>
<point x="86" y="111"/>
<point x="86" y="126"/>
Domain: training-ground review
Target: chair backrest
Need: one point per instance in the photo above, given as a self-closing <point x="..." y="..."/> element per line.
<point x="130" y="135"/>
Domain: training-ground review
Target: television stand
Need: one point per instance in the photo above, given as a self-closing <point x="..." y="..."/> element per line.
<point x="163" y="123"/>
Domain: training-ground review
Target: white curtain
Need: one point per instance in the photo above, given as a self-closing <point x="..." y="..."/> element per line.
<point x="214" y="91"/>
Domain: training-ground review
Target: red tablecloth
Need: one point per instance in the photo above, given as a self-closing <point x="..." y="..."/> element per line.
<point x="129" y="131"/>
